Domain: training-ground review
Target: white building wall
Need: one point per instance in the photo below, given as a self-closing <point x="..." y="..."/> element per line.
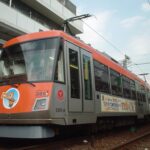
<point x="60" y="10"/>
<point x="13" y="22"/>
<point x="17" y="20"/>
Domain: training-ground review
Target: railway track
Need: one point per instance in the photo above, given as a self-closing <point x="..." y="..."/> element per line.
<point x="108" y="140"/>
<point x="130" y="141"/>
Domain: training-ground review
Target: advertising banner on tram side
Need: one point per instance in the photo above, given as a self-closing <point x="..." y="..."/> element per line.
<point x="116" y="104"/>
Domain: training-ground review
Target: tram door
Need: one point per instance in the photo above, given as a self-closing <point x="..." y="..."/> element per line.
<point x="87" y="81"/>
<point x="74" y="78"/>
<point x="80" y="94"/>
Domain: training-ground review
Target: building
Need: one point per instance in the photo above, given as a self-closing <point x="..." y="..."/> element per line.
<point x="18" y="17"/>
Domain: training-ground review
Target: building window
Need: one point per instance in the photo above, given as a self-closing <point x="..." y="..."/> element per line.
<point x="74" y="74"/>
<point x="32" y="13"/>
<point x="116" y="83"/>
<point x="87" y="77"/>
<point x="101" y="77"/>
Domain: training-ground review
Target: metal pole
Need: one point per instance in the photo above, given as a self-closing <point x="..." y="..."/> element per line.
<point x="10" y="3"/>
<point x="144" y="75"/>
<point x="65" y="27"/>
<point x="144" y="78"/>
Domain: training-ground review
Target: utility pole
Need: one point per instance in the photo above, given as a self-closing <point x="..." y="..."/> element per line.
<point x="126" y="61"/>
<point x="10" y="3"/>
<point x="144" y="75"/>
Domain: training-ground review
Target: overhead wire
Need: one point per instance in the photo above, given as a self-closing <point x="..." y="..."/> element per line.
<point x="114" y="46"/>
<point x="145" y="63"/>
<point x="109" y="42"/>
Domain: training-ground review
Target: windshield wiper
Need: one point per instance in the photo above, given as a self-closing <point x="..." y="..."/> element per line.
<point x="6" y="82"/>
<point x="30" y="83"/>
<point x="12" y="84"/>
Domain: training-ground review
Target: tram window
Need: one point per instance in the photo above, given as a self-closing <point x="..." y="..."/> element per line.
<point x="0" y="52"/>
<point x="74" y="74"/>
<point x="87" y="77"/>
<point x="126" y="87"/>
<point x="101" y="77"/>
<point x="139" y="97"/>
<point x="59" y="76"/>
<point x="116" y="83"/>
<point x="143" y="97"/>
<point x="133" y="90"/>
<point x="142" y="88"/>
<point x="133" y="93"/>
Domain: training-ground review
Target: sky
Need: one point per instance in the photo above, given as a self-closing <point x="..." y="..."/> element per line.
<point x="124" y="23"/>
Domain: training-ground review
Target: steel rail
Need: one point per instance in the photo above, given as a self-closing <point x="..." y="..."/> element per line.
<point x="130" y="141"/>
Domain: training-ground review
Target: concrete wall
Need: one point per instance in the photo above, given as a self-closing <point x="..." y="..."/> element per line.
<point x="19" y="21"/>
<point x="56" y="11"/>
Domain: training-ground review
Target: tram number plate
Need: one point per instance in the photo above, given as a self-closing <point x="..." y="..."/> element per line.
<point x="60" y="110"/>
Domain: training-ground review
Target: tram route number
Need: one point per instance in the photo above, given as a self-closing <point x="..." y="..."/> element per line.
<point x="60" y="110"/>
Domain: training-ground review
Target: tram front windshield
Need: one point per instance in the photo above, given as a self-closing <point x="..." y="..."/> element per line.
<point x="29" y="61"/>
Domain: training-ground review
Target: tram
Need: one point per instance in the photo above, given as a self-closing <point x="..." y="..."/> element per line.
<point x="50" y="80"/>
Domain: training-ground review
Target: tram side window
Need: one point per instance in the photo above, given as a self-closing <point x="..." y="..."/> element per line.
<point x="139" y="97"/>
<point x="0" y="52"/>
<point x="143" y="97"/>
<point x="87" y="77"/>
<point x="74" y="73"/>
<point x="59" y="74"/>
<point x="116" y="83"/>
<point x="142" y="88"/>
<point x="142" y="93"/>
<point x="126" y="87"/>
<point x="133" y="90"/>
<point x="101" y="77"/>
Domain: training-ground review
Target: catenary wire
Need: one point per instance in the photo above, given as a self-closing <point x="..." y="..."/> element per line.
<point x="114" y="46"/>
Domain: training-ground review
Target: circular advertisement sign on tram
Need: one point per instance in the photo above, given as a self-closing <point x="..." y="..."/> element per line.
<point x="10" y="98"/>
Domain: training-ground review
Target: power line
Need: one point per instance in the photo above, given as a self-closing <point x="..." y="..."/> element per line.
<point x="144" y="75"/>
<point x="114" y="46"/>
<point x="100" y="35"/>
<point x="144" y="54"/>
<point x="139" y="68"/>
<point x="145" y="63"/>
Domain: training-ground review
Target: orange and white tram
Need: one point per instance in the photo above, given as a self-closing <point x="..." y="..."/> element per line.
<point x="51" y="78"/>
